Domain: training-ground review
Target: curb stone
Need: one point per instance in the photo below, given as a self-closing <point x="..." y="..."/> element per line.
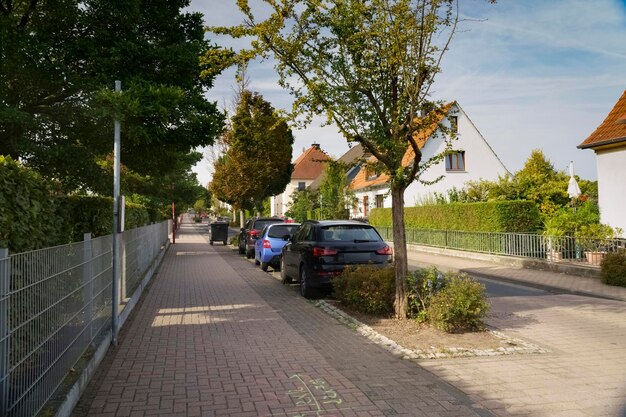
<point x="517" y="346"/>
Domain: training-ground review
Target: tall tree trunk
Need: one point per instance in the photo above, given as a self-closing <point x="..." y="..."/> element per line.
<point x="399" y="247"/>
<point x="242" y="220"/>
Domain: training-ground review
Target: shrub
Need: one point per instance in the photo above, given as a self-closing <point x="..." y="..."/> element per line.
<point x="28" y="214"/>
<point x="459" y="306"/>
<point x="423" y="284"/>
<point x="496" y="216"/>
<point x="613" y="268"/>
<point x="366" y="288"/>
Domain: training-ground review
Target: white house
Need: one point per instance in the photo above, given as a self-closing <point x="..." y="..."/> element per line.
<point x="306" y="169"/>
<point x="608" y="141"/>
<point x="473" y="160"/>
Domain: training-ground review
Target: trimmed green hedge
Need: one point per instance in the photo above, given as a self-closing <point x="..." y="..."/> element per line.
<point x="27" y="214"/>
<point x="94" y="214"/>
<point x="34" y="215"/>
<point x="498" y="216"/>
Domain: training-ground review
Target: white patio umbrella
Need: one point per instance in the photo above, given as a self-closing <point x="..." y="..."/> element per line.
<point x="572" y="189"/>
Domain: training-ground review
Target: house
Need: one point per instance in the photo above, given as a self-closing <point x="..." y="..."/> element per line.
<point x="608" y="141"/>
<point x="473" y="160"/>
<point x="307" y="168"/>
<point x="351" y="160"/>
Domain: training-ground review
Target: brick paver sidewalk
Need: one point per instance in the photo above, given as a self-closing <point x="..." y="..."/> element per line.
<point x="215" y="336"/>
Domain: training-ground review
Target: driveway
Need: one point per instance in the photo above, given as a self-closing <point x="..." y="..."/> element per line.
<point x="583" y="375"/>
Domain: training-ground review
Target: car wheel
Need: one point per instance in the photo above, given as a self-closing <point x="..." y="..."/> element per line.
<point x="211" y="242"/>
<point x="249" y="254"/>
<point x="305" y="286"/>
<point x="241" y="250"/>
<point x="264" y="266"/>
<point x="256" y="261"/>
<point x="284" y="278"/>
<point x="225" y="243"/>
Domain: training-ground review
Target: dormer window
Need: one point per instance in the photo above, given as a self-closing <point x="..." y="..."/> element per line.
<point x="455" y="161"/>
<point x="454" y="124"/>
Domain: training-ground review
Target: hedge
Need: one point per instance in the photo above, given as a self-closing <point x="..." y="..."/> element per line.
<point x="94" y="214"/>
<point x="28" y="218"/>
<point x="499" y="216"/>
<point x="34" y="215"/>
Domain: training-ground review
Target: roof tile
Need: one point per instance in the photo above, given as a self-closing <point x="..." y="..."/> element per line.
<point x="309" y="165"/>
<point x="611" y="130"/>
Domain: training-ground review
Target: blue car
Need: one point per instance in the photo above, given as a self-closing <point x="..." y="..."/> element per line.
<point x="270" y="242"/>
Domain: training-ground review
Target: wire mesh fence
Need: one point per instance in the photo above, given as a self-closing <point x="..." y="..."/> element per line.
<point x="551" y="248"/>
<point x="55" y="304"/>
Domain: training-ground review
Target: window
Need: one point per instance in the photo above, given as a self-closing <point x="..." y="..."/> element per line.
<point x="454" y="124"/>
<point x="380" y="200"/>
<point x="301" y="186"/>
<point x="365" y="205"/>
<point x="455" y="161"/>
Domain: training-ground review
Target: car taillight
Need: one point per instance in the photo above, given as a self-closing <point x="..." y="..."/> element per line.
<point x="385" y="251"/>
<point x="254" y="233"/>
<point x="323" y="252"/>
<point x="266" y="244"/>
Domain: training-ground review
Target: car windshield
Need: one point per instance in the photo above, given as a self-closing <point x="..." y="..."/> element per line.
<point x="282" y="230"/>
<point x="350" y="233"/>
<point x="260" y="224"/>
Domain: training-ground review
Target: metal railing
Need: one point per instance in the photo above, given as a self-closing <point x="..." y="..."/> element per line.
<point x="526" y="245"/>
<point x="55" y="305"/>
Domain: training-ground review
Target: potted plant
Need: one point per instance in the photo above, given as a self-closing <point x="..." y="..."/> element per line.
<point x="556" y="229"/>
<point x="593" y="239"/>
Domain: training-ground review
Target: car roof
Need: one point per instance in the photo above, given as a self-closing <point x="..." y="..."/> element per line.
<point x="339" y="223"/>
<point x="282" y="224"/>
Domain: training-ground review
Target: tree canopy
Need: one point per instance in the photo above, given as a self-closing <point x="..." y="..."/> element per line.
<point x="257" y="163"/>
<point x="369" y="67"/>
<point x="58" y="64"/>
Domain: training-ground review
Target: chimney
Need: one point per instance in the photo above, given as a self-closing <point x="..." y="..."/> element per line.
<point x="315" y="145"/>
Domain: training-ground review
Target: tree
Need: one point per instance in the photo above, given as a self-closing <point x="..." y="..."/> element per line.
<point x="303" y="205"/>
<point x="369" y="66"/>
<point x="257" y="163"/>
<point x="58" y="62"/>
<point x="335" y="195"/>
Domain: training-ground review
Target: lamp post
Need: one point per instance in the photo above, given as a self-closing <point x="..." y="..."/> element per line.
<point x="116" y="224"/>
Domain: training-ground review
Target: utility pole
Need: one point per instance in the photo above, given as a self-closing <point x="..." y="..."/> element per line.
<point x="116" y="225"/>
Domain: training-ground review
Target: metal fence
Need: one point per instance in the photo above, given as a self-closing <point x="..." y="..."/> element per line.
<point x="55" y="305"/>
<point x="511" y="244"/>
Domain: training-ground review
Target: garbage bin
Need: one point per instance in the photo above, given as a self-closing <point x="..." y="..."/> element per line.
<point x="219" y="232"/>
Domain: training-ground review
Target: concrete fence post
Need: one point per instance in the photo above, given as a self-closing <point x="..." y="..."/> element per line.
<point x="5" y="271"/>
<point x="88" y="283"/>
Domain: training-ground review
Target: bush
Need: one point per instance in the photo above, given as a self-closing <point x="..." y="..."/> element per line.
<point x="459" y="306"/>
<point x="613" y="268"/>
<point x="498" y="216"/>
<point x="423" y="284"/>
<point x="366" y="288"/>
<point x="28" y="213"/>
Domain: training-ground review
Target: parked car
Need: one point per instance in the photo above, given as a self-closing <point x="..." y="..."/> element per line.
<point x="269" y="245"/>
<point x="320" y="250"/>
<point x="249" y="233"/>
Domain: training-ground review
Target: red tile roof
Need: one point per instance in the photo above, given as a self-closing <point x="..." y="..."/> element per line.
<point x="612" y="130"/>
<point x="361" y="180"/>
<point x="308" y="166"/>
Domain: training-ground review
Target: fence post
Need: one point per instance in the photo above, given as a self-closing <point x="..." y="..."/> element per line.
<point x="5" y="270"/>
<point x="88" y="283"/>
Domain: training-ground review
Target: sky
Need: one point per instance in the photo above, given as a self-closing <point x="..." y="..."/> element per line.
<point x="530" y="74"/>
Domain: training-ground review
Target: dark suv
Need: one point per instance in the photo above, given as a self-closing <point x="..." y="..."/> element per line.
<point x="250" y="232"/>
<point x="320" y="250"/>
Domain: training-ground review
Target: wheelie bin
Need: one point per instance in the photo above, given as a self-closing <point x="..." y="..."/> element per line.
<point x="219" y="232"/>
